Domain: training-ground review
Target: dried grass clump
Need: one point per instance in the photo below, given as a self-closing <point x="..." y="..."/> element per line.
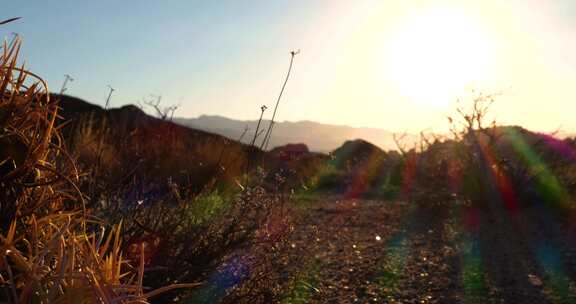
<point x="29" y="143"/>
<point x="51" y="251"/>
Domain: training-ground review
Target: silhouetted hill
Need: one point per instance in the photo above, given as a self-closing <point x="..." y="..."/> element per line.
<point x="129" y="143"/>
<point x="134" y="147"/>
<point x="318" y="137"/>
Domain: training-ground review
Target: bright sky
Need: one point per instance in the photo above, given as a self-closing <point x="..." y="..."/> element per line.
<point x="396" y="64"/>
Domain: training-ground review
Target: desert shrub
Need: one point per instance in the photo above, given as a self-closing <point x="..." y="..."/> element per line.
<point x="488" y="163"/>
<point x="60" y="233"/>
<point x="205" y="207"/>
<point x="328" y="178"/>
<point x="28" y="141"/>
<point x="256" y="272"/>
<point x="188" y="196"/>
<point x="188" y="236"/>
<point x="439" y="169"/>
<point x="48" y="252"/>
<point x="52" y="249"/>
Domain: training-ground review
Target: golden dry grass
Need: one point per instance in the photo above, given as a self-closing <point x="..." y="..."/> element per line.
<point x="51" y="249"/>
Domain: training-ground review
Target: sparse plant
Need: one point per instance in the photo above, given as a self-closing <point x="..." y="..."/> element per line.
<point x="257" y="133"/>
<point x="9" y="20"/>
<point x="111" y="90"/>
<point x="266" y="138"/>
<point x="162" y="112"/>
<point x="67" y="78"/>
<point x="51" y="249"/>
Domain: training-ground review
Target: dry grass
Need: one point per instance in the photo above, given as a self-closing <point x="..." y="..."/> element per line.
<point x="51" y="250"/>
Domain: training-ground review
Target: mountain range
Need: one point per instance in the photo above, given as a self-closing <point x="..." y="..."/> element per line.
<point x="318" y="137"/>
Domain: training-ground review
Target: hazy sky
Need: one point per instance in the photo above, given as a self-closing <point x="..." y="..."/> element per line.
<point x="395" y="64"/>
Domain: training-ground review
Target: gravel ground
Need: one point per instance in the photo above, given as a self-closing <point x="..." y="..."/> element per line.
<point x="362" y="251"/>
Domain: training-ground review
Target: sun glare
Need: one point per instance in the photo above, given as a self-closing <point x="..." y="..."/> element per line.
<point x="436" y="54"/>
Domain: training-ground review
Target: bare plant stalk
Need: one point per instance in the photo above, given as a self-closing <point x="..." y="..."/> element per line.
<point x="67" y="78"/>
<point x="264" y="144"/>
<point x="262" y="108"/>
<point x="9" y="20"/>
<point x="246" y="129"/>
<point x="398" y="140"/>
<point x="268" y="134"/>
<point x="109" y="97"/>
<point x="164" y="113"/>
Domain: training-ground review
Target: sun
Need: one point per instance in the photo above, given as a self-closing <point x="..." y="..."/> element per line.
<point x="436" y="54"/>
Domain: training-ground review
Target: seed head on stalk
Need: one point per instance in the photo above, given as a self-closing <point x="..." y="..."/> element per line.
<point x="266" y="139"/>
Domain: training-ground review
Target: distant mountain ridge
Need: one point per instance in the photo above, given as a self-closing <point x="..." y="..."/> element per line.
<point x="317" y="136"/>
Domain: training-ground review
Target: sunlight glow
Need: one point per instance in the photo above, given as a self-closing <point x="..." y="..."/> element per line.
<point x="437" y="53"/>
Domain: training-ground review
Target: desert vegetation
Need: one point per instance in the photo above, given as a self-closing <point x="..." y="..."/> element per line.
<point x="78" y="225"/>
<point x="54" y="249"/>
<point x="112" y="205"/>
